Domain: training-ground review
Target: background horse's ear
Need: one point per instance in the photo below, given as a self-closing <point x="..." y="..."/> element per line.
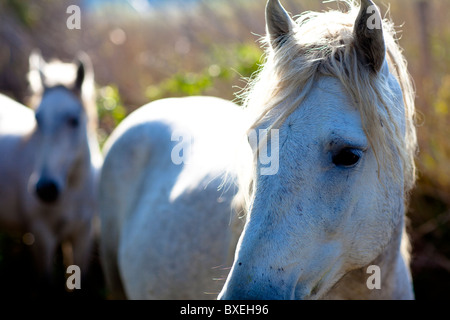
<point x="84" y="80"/>
<point x="36" y="76"/>
<point x="278" y="23"/>
<point x="85" y="73"/>
<point x="368" y="35"/>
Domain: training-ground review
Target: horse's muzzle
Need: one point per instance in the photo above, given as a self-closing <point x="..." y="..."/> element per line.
<point x="47" y="190"/>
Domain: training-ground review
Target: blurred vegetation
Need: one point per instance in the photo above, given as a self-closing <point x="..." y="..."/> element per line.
<point x="110" y="109"/>
<point x="244" y="59"/>
<point x="209" y="49"/>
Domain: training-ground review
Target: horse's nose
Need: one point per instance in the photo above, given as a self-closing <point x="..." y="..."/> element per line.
<point x="47" y="190"/>
<point x="259" y="283"/>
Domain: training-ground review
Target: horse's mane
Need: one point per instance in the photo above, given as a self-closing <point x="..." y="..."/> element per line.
<point x="61" y="74"/>
<point x="322" y="45"/>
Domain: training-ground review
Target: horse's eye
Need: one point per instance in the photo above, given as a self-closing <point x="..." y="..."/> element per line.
<point x="73" y="122"/>
<point x="347" y="157"/>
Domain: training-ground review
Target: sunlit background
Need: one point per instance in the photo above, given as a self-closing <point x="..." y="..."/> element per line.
<point x="143" y="50"/>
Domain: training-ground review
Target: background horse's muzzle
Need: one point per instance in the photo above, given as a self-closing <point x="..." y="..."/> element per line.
<point x="47" y="190"/>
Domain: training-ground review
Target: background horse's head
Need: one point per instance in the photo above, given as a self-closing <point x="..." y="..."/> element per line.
<point x="335" y="85"/>
<point x="64" y="115"/>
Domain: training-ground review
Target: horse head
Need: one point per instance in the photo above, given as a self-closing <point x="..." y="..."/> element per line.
<point x="331" y="89"/>
<point x="64" y="91"/>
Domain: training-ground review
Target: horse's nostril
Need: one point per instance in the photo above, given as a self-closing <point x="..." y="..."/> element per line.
<point x="47" y="190"/>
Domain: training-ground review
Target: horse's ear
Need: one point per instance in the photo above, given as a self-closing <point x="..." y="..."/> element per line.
<point x="36" y="76"/>
<point x="278" y="23"/>
<point x="368" y="36"/>
<point x="85" y="73"/>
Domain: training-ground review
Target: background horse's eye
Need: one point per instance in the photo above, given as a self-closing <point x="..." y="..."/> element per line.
<point x="347" y="157"/>
<point x="73" y="122"/>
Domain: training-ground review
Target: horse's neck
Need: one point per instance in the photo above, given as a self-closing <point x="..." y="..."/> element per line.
<point x="395" y="277"/>
<point x="95" y="154"/>
<point x="85" y="170"/>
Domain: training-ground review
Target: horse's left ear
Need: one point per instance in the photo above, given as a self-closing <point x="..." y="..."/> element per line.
<point x="36" y="76"/>
<point x="368" y="36"/>
<point x="85" y="73"/>
<point x="278" y="23"/>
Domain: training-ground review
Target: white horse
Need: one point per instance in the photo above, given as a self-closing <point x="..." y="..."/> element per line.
<point x="330" y="223"/>
<point x="49" y="162"/>
<point x="166" y="216"/>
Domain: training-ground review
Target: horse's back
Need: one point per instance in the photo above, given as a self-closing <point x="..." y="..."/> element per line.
<point x="15" y="118"/>
<point x="161" y="196"/>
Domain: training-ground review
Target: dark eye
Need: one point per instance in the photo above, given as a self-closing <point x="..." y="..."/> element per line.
<point x="73" y="122"/>
<point x="347" y="157"/>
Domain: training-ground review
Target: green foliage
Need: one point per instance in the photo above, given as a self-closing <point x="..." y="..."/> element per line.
<point x="23" y="11"/>
<point x="110" y="109"/>
<point x="249" y="61"/>
<point x="180" y="84"/>
<point x="228" y="63"/>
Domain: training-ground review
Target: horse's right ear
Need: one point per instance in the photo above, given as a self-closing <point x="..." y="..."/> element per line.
<point x="278" y="23"/>
<point x="84" y="81"/>
<point x="36" y="76"/>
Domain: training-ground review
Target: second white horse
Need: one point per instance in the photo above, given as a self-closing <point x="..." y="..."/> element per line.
<point x="167" y="221"/>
